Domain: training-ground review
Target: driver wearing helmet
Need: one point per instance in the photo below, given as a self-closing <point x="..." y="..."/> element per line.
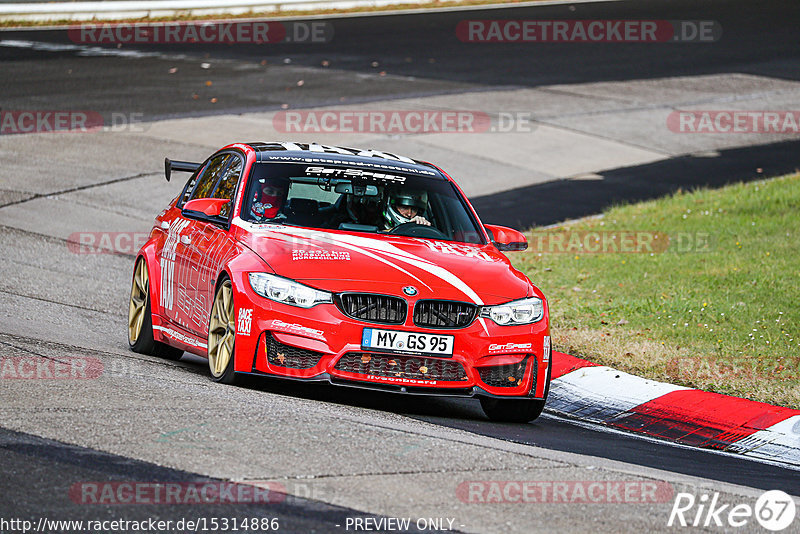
<point x="269" y="197"/>
<point x="405" y="206"/>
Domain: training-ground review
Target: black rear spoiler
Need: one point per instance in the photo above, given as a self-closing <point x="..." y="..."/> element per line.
<point x="183" y="166"/>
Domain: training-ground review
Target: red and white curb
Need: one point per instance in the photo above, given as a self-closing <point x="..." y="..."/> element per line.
<point x="599" y="394"/>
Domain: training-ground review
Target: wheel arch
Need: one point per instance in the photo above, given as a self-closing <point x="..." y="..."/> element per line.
<point x="223" y="275"/>
<point x="150" y="256"/>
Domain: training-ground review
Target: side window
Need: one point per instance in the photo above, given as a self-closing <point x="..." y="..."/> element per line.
<point x="187" y="189"/>
<point x="227" y="184"/>
<point x="205" y="184"/>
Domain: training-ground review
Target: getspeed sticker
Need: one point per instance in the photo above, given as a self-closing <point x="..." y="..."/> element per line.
<point x="509" y="347"/>
<point x="330" y="172"/>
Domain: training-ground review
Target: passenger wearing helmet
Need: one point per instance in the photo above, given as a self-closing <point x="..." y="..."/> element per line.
<point x="364" y="209"/>
<point x="405" y="206"/>
<point x="268" y="198"/>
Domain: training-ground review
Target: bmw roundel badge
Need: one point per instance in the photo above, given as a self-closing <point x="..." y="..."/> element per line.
<point x="410" y="291"/>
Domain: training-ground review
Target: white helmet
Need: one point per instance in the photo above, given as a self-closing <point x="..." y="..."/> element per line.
<point x="410" y="198"/>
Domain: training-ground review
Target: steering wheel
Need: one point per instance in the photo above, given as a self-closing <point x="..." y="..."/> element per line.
<point x="412" y="229"/>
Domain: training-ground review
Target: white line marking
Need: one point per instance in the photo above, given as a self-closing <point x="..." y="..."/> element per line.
<point x="85" y="51"/>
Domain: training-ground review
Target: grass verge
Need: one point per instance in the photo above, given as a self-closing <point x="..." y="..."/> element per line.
<point x="716" y="307"/>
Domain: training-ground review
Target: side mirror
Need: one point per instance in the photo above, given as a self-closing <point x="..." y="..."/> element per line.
<point x="209" y="207"/>
<point x="506" y="239"/>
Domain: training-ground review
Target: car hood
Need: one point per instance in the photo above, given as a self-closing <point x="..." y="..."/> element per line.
<point x="346" y="261"/>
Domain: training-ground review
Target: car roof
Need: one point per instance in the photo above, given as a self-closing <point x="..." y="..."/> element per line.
<point x="290" y="152"/>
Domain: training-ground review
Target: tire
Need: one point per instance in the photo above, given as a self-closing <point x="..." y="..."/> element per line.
<point x="222" y="335"/>
<point x="140" y="318"/>
<point x="516" y="410"/>
<point x="512" y="410"/>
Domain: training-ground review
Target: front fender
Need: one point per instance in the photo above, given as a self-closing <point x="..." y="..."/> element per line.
<point x="238" y="269"/>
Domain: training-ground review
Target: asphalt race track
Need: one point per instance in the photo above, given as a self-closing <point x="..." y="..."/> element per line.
<point x="335" y="454"/>
<point x="27" y="457"/>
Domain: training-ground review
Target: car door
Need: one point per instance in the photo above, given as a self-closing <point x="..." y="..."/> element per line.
<point x="209" y="246"/>
<point x="179" y="272"/>
<point x="175" y="228"/>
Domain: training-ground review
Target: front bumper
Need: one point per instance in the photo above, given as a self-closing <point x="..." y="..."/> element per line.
<point x="323" y="344"/>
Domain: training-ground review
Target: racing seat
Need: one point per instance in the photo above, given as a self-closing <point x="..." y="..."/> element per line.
<point x="302" y="211"/>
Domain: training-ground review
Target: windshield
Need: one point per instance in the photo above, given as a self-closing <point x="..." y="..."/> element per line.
<point x="359" y="200"/>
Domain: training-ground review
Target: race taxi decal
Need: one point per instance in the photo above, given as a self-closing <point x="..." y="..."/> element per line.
<point x="294" y="328"/>
<point x="316" y="254"/>
<point x="509" y="347"/>
<point x="546" y="349"/>
<point x="244" y="321"/>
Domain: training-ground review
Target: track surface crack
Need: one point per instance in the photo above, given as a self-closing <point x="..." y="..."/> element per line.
<point x="77" y="188"/>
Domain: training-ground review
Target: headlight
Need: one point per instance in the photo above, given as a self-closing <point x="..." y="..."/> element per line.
<point x="287" y="291"/>
<point x="524" y="311"/>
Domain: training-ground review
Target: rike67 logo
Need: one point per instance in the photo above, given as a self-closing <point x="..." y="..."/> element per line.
<point x="774" y="511"/>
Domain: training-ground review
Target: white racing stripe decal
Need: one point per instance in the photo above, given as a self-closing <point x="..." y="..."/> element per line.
<point x="601" y="393"/>
<point x="362" y="244"/>
<point x="291" y="238"/>
<point x="445" y="275"/>
<point x="181" y="337"/>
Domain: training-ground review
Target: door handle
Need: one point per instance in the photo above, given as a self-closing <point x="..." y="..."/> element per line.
<point x="186" y="240"/>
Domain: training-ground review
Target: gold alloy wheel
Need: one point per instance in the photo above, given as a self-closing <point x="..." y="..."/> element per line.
<point x="138" y="305"/>
<point x="221" y="330"/>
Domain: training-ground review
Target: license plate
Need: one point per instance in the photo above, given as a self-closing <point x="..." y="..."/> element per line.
<point x="413" y="342"/>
